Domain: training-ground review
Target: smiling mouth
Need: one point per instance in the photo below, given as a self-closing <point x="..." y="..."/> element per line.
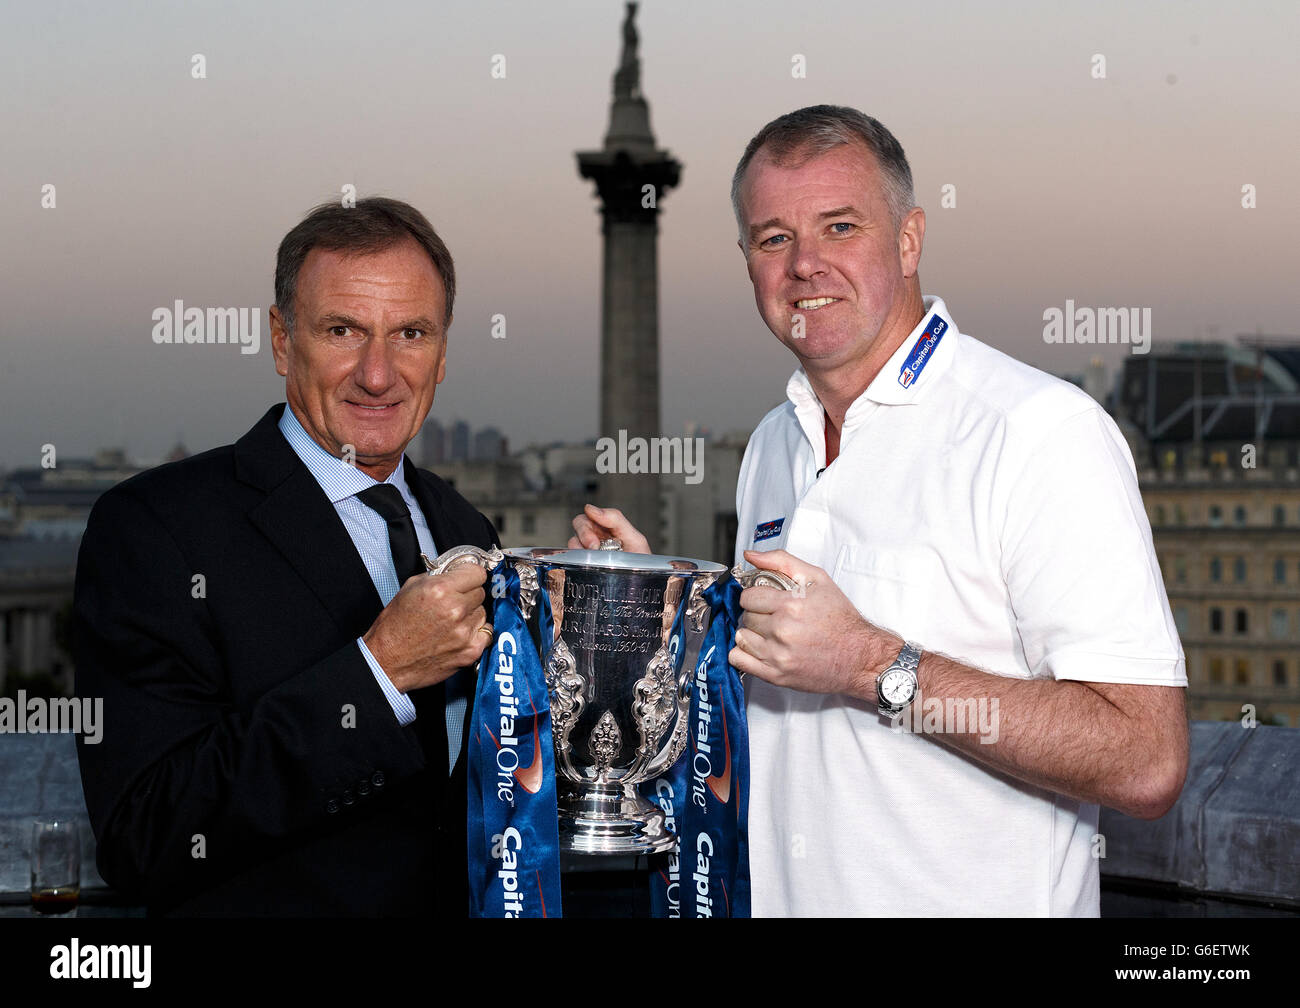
<point x="375" y="408"/>
<point x="811" y="304"/>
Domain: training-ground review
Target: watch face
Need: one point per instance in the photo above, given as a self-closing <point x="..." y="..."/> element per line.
<point x="897" y="686"/>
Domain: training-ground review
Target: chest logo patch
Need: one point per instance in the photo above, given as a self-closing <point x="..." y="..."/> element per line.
<point x="768" y="530"/>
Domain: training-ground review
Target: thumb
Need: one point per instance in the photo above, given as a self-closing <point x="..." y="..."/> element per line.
<point x="596" y="514"/>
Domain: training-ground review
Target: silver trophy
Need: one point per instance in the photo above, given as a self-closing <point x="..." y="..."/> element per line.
<point x="626" y="630"/>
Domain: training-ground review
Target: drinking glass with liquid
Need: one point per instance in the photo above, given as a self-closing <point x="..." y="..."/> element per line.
<point x="56" y="866"/>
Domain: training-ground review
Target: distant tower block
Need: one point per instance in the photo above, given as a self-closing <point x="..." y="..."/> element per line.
<point x="631" y="178"/>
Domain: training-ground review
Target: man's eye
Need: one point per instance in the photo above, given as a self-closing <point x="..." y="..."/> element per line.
<point x="412" y="334"/>
<point x="340" y="331"/>
<point x="841" y="227"/>
<point x="774" y="240"/>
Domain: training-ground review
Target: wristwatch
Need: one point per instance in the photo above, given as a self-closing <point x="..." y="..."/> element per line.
<point x="896" y="686"/>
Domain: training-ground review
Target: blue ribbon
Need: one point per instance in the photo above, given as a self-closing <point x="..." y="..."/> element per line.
<point x="706" y="793"/>
<point x="667" y="791"/>
<point x="513" y="832"/>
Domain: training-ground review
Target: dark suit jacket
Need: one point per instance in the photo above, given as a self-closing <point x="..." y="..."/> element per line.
<point x="249" y="763"/>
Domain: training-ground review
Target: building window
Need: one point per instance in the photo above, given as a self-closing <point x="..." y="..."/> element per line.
<point x="530" y="523"/>
<point x="1216" y="621"/>
<point x="1239" y="515"/>
<point x="1180" y="568"/>
<point x="1160" y="514"/>
<point x="500" y="522"/>
<point x="1180" y="619"/>
<point x="1216" y="569"/>
<point x="1279" y="673"/>
<point x="1242" y="623"/>
<point x="1279" y="515"/>
<point x="1180" y="516"/>
<point x="1216" y="515"/>
<point x="1277" y="624"/>
<point x="1216" y="670"/>
<point x="1243" y="671"/>
<point x="1279" y="571"/>
<point x="1239" y="570"/>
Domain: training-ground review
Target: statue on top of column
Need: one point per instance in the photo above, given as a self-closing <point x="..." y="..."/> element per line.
<point x="627" y="78"/>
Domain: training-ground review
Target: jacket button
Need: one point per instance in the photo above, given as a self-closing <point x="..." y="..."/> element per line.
<point x="331" y="806"/>
<point x="347" y="797"/>
<point x="363" y="788"/>
<point x="377" y="779"/>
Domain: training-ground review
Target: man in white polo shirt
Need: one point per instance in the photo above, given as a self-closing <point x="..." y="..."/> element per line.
<point x="980" y="650"/>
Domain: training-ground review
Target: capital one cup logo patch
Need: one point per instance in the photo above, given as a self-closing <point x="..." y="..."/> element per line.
<point x="922" y="351"/>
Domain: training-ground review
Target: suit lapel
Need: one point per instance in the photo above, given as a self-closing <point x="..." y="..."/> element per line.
<point x="445" y="533"/>
<point x="303" y="525"/>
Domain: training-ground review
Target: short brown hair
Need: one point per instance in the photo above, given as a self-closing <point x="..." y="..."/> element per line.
<point x="374" y="224"/>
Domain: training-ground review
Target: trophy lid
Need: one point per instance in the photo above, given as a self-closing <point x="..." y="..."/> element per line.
<point x="612" y="559"/>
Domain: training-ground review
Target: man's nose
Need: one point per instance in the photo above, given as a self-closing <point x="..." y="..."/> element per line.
<point x="806" y="259"/>
<point x="376" y="370"/>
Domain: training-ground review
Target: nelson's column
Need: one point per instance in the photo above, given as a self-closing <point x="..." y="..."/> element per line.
<point x="631" y="178"/>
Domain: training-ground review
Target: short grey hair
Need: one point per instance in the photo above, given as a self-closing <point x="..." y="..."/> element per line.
<point x="806" y="133"/>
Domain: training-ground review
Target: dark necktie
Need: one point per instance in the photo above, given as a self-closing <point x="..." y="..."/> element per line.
<point x="430" y="705"/>
<point x="386" y="499"/>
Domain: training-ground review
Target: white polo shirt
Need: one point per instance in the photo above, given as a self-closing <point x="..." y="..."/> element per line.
<point x="984" y="510"/>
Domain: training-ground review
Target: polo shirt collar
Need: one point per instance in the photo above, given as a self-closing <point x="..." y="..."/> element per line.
<point x="887" y="387"/>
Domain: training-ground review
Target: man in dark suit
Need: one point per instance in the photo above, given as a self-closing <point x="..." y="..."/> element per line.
<point x="282" y="701"/>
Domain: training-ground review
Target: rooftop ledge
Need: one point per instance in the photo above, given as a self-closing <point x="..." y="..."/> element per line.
<point x="1231" y="844"/>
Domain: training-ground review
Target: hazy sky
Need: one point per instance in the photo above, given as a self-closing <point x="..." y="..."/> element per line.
<point x="1122" y="191"/>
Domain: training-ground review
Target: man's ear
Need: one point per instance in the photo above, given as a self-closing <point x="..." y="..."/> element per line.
<point x="442" y="360"/>
<point x="279" y="341"/>
<point x="911" y="236"/>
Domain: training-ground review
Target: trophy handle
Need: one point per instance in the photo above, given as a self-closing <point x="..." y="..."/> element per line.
<point x="755" y="578"/>
<point x="457" y="556"/>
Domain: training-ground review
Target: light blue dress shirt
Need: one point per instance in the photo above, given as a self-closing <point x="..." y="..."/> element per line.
<point x="341" y="483"/>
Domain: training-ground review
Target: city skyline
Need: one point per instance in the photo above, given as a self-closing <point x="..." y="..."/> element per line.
<point x="1115" y="191"/>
